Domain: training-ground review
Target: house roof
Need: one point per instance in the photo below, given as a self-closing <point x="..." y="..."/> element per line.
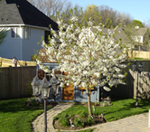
<point x="139" y="31"/>
<point x="121" y="35"/>
<point x="22" y="12"/>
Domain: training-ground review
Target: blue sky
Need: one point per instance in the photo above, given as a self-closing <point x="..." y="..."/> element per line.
<point x="138" y="9"/>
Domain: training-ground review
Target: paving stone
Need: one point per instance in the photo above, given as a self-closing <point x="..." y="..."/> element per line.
<point x="38" y="123"/>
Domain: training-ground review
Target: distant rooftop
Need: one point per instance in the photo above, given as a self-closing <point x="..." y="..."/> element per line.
<point x="22" y="12"/>
<point x="139" y="31"/>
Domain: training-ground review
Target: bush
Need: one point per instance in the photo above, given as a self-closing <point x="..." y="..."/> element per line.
<point x="64" y="122"/>
<point x="33" y="101"/>
<point x="78" y="122"/>
<point x="63" y="119"/>
<point x="90" y="121"/>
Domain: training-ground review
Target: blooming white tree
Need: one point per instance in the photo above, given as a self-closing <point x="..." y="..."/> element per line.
<point x="87" y="56"/>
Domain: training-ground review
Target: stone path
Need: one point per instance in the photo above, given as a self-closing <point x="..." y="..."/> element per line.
<point x="38" y="123"/>
<point x="137" y="123"/>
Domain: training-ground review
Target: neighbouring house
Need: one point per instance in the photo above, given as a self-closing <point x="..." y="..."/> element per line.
<point x="140" y="36"/>
<point x="120" y="35"/>
<point x="25" y="25"/>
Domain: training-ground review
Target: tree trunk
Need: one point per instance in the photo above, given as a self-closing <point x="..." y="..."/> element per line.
<point x="89" y="103"/>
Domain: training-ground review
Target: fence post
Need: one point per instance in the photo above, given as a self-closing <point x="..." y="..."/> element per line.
<point x="9" y="88"/>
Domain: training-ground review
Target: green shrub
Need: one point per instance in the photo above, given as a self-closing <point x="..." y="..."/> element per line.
<point x="78" y="122"/>
<point x="90" y="121"/>
<point x="33" y="101"/>
<point x="64" y="122"/>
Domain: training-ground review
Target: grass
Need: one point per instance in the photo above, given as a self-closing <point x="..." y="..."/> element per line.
<point x="119" y="109"/>
<point x="15" y="116"/>
<point x="124" y="108"/>
<point x="140" y="59"/>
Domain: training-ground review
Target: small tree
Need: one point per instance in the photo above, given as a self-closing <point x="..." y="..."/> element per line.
<point x="89" y="57"/>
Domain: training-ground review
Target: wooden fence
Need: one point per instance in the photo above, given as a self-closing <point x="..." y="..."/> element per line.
<point x="129" y="90"/>
<point x="15" y="81"/>
<point x="4" y="62"/>
<point x="139" y="54"/>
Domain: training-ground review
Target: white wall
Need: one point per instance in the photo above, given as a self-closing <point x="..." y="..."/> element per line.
<point x="21" y="48"/>
<point x="11" y="47"/>
<point x="138" y="39"/>
<point x="29" y="46"/>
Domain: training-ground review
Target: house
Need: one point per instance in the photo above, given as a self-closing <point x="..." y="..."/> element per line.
<point x="119" y="35"/>
<point x="135" y="38"/>
<point x="140" y="36"/>
<point x="25" y="25"/>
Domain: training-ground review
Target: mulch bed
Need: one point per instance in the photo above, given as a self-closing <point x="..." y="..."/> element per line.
<point x="97" y="119"/>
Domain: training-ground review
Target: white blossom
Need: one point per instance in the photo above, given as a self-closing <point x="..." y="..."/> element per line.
<point x="86" y="55"/>
<point x="106" y="88"/>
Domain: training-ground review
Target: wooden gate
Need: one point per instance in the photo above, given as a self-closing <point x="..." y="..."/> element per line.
<point x="68" y="92"/>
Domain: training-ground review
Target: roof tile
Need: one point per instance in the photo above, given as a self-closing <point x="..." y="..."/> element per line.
<point x="22" y="12"/>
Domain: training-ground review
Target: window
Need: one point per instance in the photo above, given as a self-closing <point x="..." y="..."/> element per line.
<point x="27" y="33"/>
<point x="47" y="33"/>
<point x="139" y="39"/>
<point x="15" y="32"/>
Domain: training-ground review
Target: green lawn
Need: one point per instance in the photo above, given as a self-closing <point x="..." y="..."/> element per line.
<point x="140" y="59"/>
<point x="119" y="109"/>
<point x="15" y="116"/>
<point x="124" y="108"/>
